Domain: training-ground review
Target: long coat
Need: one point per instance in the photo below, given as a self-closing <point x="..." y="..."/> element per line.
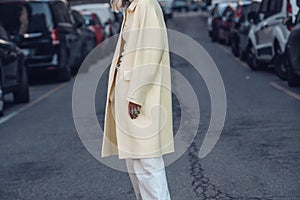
<point x="143" y="78"/>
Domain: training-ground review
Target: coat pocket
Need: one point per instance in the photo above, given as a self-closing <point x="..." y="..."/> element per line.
<point x="127" y="75"/>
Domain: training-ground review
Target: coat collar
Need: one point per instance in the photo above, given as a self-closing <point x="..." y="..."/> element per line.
<point x="132" y="5"/>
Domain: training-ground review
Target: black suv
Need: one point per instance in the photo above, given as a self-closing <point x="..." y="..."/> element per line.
<point x="293" y="53"/>
<point x="45" y="31"/>
<point x="13" y="74"/>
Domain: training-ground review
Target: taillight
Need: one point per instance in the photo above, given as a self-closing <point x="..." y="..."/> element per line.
<point x="289" y="12"/>
<point x="289" y="9"/>
<point x="239" y="12"/>
<point x="55" y="37"/>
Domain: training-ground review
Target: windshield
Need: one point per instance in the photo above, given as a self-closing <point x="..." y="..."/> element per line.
<point x="21" y="18"/>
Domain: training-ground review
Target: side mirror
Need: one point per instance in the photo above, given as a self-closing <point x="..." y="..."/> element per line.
<point x="261" y="17"/>
<point x="288" y="22"/>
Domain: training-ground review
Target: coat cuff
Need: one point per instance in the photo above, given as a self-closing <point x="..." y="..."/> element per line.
<point x="134" y="100"/>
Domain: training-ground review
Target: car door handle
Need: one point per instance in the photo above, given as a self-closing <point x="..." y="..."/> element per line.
<point x="280" y="18"/>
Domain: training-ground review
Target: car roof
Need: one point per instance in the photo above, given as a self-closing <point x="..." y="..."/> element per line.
<point x="242" y="3"/>
<point x="17" y="1"/>
<point x="92" y="5"/>
<point x="102" y="10"/>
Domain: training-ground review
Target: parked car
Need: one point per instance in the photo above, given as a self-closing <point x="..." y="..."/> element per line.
<point x="103" y="11"/>
<point x="268" y="35"/>
<point x="44" y="30"/>
<point x="226" y="23"/>
<point x="241" y="27"/>
<point x="292" y="52"/>
<point x="94" y="24"/>
<point x="88" y="37"/>
<point x="194" y="5"/>
<point x="215" y="19"/>
<point x="167" y="7"/>
<point x="13" y="72"/>
<point x="180" y="5"/>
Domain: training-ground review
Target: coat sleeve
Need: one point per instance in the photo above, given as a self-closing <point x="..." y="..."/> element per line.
<point x="149" y="46"/>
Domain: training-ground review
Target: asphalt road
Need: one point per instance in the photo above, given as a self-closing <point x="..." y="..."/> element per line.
<point x="256" y="157"/>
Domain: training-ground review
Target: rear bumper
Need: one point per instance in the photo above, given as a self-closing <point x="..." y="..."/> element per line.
<point x="45" y="62"/>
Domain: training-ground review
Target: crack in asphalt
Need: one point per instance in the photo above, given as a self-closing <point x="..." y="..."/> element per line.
<point x="203" y="188"/>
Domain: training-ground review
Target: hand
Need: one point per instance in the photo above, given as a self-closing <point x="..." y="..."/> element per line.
<point x="133" y="110"/>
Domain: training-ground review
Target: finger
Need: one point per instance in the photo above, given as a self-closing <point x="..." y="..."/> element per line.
<point x="134" y="113"/>
<point x="131" y="112"/>
<point x="138" y="109"/>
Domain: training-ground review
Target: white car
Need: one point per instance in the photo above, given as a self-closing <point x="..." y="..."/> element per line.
<point x="105" y="14"/>
<point x="268" y="35"/>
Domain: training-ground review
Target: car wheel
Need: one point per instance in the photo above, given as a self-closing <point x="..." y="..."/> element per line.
<point x="280" y="64"/>
<point x="64" y="74"/>
<point x="214" y="36"/>
<point x="21" y="95"/>
<point x="234" y="48"/>
<point x="1" y="94"/>
<point x="292" y="78"/>
<point x="251" y="58"/>
<point x="242" y="54"/>
<point x="1" y="100"/>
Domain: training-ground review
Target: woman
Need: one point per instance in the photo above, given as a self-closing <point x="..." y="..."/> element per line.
<point x="138" y="119"/>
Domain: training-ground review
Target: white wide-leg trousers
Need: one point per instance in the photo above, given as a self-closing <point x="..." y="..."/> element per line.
<point x="148" y="178"/>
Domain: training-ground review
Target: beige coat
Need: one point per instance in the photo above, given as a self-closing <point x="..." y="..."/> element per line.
<point x="143" y="78"/>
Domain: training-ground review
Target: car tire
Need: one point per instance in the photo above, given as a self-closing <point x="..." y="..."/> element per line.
<point x="21" y="95"/>
<point x="1" y="93"/>
<point x="280" y="64"/>
<point x="1" y="97"/>
<point x="252" y="60"/>
<point x="292" y="78"/>
<point x="234" y="48"/>
<point x="214" y="36"/>
<point x="64" y="74"/>
<point x="242" y="54"/>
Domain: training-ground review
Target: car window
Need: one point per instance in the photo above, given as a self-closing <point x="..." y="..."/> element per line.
<point x="96" y="19"/>
<point x="40" y="19"/>
<point x="264" y="6"/>
<point x="275" y="7"/>
<point x="78" y="17"/>
<point x="221" y="9"/>
<point x="61" y="13"/>
<point x="20" y="18"/>
<point x="244" y="9"/>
